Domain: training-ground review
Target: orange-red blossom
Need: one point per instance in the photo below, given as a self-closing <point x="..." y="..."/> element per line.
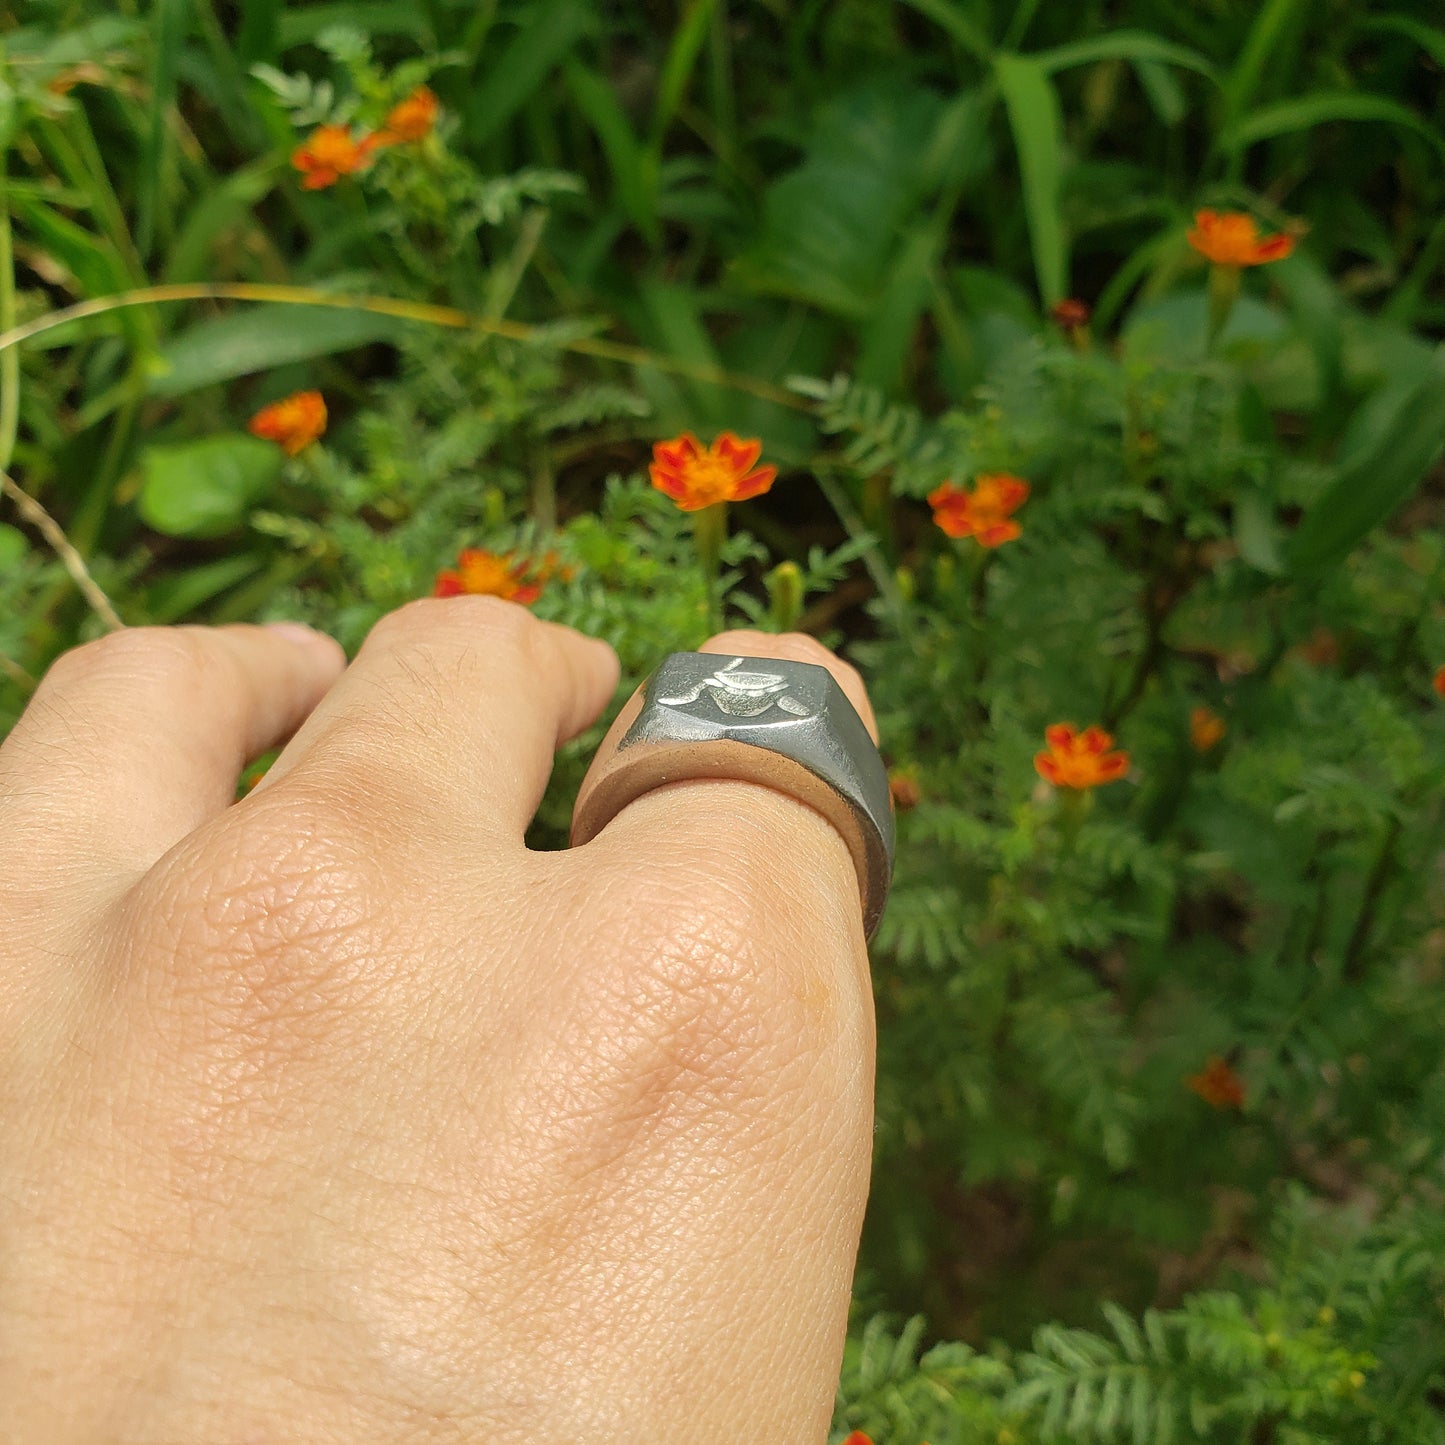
<point x="293" y="423"/>
<point x="410" y="119"/>
<point x="1439" y="681"/>
<point x="985" y="513"/>
<point x="1206" y="728"/>
<point x="331" y="151"/>
<point x="487" y="574"/>
<point x="1076" y="759"/>
<point x="1218" y="1085"/>
<point x="695" y="476"/>
<point x="1231" y="238"/>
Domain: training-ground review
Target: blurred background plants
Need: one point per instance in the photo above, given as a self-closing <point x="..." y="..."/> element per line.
<point x="1171" y="1043"/>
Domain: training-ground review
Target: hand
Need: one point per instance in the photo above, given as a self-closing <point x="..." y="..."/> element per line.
<point x="335" y="1114"/>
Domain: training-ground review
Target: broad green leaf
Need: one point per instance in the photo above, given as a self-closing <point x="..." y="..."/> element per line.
<point x="1256" y="532"/>
<point x="1375" y="481"/>
<point x="831" y="226"/>
<point x="261" y="339"/>
<point x="205" y="488"/>
<point x="1307" y="111"/>
<point x="92" y="261"/>
<point x="1038" y="130"/>
<point x="1164" y="93"/>
<point x="548" y="33"/>
<point x="1132" y="45"/>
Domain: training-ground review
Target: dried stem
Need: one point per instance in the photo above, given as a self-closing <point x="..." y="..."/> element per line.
<point x="70" y="559"/>
<point x="17" y="674"/>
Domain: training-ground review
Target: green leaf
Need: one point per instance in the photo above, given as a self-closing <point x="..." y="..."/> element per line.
<point x="831" y="226"/>
<point x="13" y="545"/>
<point x="1133" y="45"/>
<point x="687" y="41"/>
<point x="1427" y="37"/>
<point x="950" y="19"/>
<point x="1307" y="111"/>
<point x="261" y="339"/>
<point x="1265" y="36"/>
<point x="226" y="205"/>
<point x="175" y="598"/>
<point x="168" y="30"/>
<point x="1038" y="130"/>
<point x="548" y="33"/>
<point x="205" y="488"/>
<point x="1376" y="480"/>
<point x="301" y="25"/>
<point x="634" y="172"/>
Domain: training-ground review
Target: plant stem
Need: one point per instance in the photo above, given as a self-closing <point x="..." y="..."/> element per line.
<point x="70" y="559"/>
<point x="709" y="529"/>
<point x="1352" y="967"/>
<point x="9" y="360"/>
<point x="1223" y="293"/>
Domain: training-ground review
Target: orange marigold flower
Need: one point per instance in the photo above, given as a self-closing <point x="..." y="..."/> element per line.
<point x="1070" y="313"/>
<point x="695" y="477"/>
<point x="1076" y="759"/>
<point x="485" y="574"/>
<point x="1439" y="682"/>
<point x="293" y="423"/>
<point x="410" y="119"/>
<point x="985" y="514"/>
<point x="329" y="153"/>
<point x="858" y="1438"/>
<point x="903" y="788"/>
<point x="1218" y="1085"/>
<point x="1206" y="728"/>
<point x="1231" y="238"/>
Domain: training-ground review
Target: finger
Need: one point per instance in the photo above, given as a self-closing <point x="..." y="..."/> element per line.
<point x="709" y="824"/>
<point x="452" y="712"/>
<point x="136" y="739"/>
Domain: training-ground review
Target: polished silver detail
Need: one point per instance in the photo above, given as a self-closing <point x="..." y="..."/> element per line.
<point x="742" y="694"/>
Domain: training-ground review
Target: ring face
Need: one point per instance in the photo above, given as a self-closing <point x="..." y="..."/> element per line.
<point x="785" y="724"/>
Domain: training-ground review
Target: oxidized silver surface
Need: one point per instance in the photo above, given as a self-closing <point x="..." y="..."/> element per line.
<point x="785" y="724"/>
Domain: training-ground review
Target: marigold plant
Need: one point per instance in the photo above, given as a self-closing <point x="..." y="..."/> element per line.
<point x="1218" y="1084"/>
<point x="1206" y="729"/>
<point x="330" y="152"/>
<point x="411" y="119"/>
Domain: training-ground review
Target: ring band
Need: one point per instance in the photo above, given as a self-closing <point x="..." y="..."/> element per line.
<point x="787" y="725"/>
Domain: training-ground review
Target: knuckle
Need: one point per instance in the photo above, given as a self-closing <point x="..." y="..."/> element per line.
<point x="427" y="619"/>
<point x="144" y="654"/>
<point x="263" y="934"/>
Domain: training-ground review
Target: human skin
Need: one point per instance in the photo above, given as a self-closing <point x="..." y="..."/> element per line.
<point x="336" y="1114"/>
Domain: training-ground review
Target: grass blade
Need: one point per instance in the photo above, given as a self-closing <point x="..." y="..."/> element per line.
<point x="1038" y="131"/>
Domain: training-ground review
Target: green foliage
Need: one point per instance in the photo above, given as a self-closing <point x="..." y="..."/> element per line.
<point x="840" y="228"/>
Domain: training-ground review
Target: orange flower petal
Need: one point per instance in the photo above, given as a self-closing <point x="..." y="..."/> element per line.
<point x="997" y="533"/>
<point x="1048" y="768"/>
<point x="1060" y="737"/>
<point x="755" y="484"/>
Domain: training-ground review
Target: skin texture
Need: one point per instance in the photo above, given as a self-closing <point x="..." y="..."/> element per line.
<point x="335" y="1114"/>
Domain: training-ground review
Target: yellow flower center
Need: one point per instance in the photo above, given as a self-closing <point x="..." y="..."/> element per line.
<point x="487" y="576"/>
<point x="710" y="479"/>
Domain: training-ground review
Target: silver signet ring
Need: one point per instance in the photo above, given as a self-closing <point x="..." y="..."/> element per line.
<point x="784" y="724"/>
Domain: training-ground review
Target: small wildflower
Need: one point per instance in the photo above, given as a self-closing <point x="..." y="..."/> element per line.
<point x="1206" y="729"/>
<point x="329" y="153"/>
<point x="485" y="574"/>
<point x="1231" y="238"/>
<point x="1218" y="1085"/>
<point x="292" y="423"/>
<point x="695" y="477"/>
<point x="985" y="514"/>
<point x="1071" y="313"/>
<point x="1076" y="759"/>
<point x="858" y="1438"/>
<point x="1439" y="681"/>
<point x="411" y="119"/>
<point x="903" y="789"/>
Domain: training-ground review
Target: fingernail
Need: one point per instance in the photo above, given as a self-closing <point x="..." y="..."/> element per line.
<point x="297" y="632"/>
